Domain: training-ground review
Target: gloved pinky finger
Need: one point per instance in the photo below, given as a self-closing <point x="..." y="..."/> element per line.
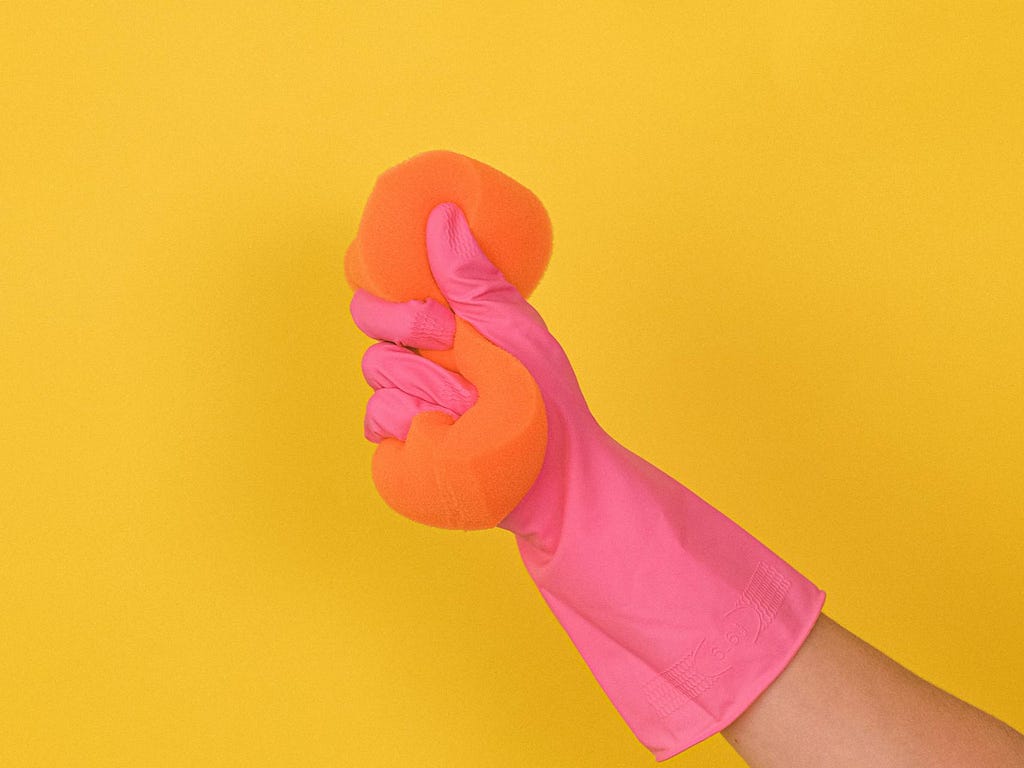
<point x="390" y="411"/>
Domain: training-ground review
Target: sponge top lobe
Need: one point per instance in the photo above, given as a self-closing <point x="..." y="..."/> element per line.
<point x="388" y="256"/>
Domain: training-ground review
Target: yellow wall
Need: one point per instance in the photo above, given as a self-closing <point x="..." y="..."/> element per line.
<point x="797" y="230"/>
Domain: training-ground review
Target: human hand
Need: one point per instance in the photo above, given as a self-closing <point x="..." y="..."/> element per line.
<point x="682" y="616"/>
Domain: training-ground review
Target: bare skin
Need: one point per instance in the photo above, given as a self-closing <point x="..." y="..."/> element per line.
<point x="841" y="703"/>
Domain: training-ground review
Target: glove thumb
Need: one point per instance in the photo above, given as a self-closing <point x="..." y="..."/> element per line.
<point x="476" y="290"/>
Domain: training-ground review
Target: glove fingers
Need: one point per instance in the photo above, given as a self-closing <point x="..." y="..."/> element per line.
<point x="389" y="366"/>
<point x="420" y="324"/>
<point x="389" y="413"/>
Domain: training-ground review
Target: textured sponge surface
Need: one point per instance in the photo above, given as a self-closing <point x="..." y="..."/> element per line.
<point x="470" y="473"/>
<point x="388" y="256"/>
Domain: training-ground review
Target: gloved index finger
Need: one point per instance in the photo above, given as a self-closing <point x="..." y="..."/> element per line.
<point x="420" y="324"/>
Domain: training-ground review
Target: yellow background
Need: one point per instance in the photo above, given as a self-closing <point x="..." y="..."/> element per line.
<point x="788" y="270"/>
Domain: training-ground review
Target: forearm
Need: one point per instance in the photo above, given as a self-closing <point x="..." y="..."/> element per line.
<point x="842" y="703"/>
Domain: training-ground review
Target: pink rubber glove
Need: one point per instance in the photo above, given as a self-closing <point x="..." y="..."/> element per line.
<point x="682" y="616"/>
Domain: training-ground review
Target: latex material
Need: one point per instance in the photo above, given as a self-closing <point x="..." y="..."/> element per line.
<point x="467" y="474"/>
<point x="404" y="384"/>
<point x="682" y="616"/>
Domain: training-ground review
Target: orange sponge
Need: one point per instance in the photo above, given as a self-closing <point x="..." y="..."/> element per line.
<point x="470" y="473"/>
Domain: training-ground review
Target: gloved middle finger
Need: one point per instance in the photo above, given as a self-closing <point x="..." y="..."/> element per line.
<point x="389" y="366"/>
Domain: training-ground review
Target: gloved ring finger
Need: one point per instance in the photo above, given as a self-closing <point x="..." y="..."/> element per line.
<point x="390" y="412"/>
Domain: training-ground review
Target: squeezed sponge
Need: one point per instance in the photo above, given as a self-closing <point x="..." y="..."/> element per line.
<point x="471" y="472"/>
